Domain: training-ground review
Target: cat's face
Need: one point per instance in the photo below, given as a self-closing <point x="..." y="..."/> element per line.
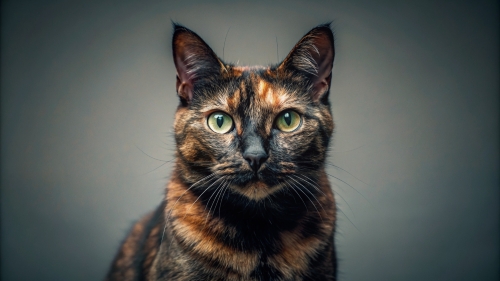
<point x="252" y="129"/>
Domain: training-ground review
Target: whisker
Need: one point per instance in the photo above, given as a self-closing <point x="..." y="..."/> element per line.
<point x="200" y="196"/>
<point x="293" y="188"/>
<point x="349" y="220"/>
<point x="310" y="181"/>
<point x="277" y="49"/>
<point x="210" y="198"/>
<point x="350" y="187"/>
<point x="337" y="151"/>
<point x="172" y="209"/>
<point x="156" y="168"/>
<point x="224" y="46"/>
<point x="226" y="188"/>
<point x="194" y="203"/>
<point x="344" y="170"/>
<point x="336" y="193"/>
<point x="161" y="160"/>
<point x="314" y="205"/>
<point x="154" y="158"/>
<point x="345" y="215"/>
<point x="217" y="191"/>
<point x="337" y="178"/>
<point x="337" y="167"/>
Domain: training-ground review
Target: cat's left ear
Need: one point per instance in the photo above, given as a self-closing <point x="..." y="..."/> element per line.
<point x="313" y="57"/>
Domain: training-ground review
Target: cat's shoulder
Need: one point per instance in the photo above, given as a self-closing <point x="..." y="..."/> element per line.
<point x="138" y="250"/>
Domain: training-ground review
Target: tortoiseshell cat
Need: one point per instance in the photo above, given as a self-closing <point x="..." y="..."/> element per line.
<point x="248" y="198"/>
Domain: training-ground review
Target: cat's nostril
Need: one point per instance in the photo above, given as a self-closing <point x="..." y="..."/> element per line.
<point x="255" y="159"/>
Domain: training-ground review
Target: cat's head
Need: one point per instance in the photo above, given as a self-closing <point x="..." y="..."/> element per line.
<point x="253" y="129"/>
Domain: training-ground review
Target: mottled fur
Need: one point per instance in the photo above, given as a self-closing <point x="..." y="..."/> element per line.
<point x="222" y="218"/>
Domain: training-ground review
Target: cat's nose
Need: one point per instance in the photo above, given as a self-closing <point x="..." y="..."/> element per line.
<point x="253" y="149"/>
<point x="255" y="159"/>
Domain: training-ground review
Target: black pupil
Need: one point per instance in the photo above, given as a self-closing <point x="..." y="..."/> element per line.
<point x="220" y="120"/>
<point x="288" y="118"/>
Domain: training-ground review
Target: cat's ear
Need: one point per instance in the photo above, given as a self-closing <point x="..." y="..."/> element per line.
<point x="313" y="57"/>
<point x="194" y="61"/>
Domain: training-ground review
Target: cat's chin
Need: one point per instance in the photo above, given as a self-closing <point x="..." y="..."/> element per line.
<point x="257" y="189"/>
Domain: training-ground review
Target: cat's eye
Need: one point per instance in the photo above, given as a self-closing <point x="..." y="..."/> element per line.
<point x="288" y="121"/>
<point x="220" y="122"/>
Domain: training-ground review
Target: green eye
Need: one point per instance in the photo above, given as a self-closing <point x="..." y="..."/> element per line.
<point x="288" y="121"/>
<point x="220" y="122"/>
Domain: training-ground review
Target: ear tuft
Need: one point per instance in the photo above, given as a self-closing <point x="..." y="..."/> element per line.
<point x="313" y="57"/>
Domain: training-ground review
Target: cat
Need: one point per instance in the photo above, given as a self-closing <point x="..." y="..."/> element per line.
<point x="248" y="198"/>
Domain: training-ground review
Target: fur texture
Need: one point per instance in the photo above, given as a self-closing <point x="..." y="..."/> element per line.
<point x="253" y="202"/>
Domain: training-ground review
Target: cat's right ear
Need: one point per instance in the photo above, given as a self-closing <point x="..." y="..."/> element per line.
<point x="313" y="57"/>
<point x="194" y="62"/>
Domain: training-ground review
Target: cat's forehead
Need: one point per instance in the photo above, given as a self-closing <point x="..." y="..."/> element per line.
<point x="253" y="88"/>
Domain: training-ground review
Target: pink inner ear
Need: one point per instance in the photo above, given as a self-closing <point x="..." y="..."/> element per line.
<point x="184" y="89"/>
<point x="186" y="47"/>
<point x="185" y="75"/>
<point x="319" y="88"/>
<point x="313" y="55"/>
<point x="324" y="59"/>
<point x="194" y="61"/>
<point x="184" y="83"/>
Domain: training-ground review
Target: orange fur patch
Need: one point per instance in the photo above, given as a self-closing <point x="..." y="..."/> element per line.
<point x="258" y="191"/>
<point x="295" y="255"/>
<point x="194" y="228"/>
<point x="234" y="100"/>
<point x="267" y="93"/>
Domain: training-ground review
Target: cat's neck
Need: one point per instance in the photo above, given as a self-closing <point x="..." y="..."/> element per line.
<point x="280" y="209"/>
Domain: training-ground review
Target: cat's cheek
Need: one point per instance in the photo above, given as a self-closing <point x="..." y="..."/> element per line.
<point x="283" y="143"/>
<point x="180" y="119"/>
<point x="221" y="147"/>
<point x="326" y="119"/>
<point x="194" y="151"/>
<point x="226" y="141"/>
<point x="293" y="142"/>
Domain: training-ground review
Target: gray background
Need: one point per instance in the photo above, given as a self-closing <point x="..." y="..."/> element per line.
<point x="88" y="101"/>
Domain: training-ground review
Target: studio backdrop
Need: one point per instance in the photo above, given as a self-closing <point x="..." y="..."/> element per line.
<point x="88" y="100"/>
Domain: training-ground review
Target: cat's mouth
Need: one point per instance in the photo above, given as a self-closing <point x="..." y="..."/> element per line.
<point x="249" y="177"/>
<point x="255" y="185"/>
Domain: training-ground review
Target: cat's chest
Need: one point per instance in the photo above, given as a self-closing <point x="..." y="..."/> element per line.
<point x="231" y="246"/>
<point x="221" y="250"/>
<point x="219" y="259"/>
